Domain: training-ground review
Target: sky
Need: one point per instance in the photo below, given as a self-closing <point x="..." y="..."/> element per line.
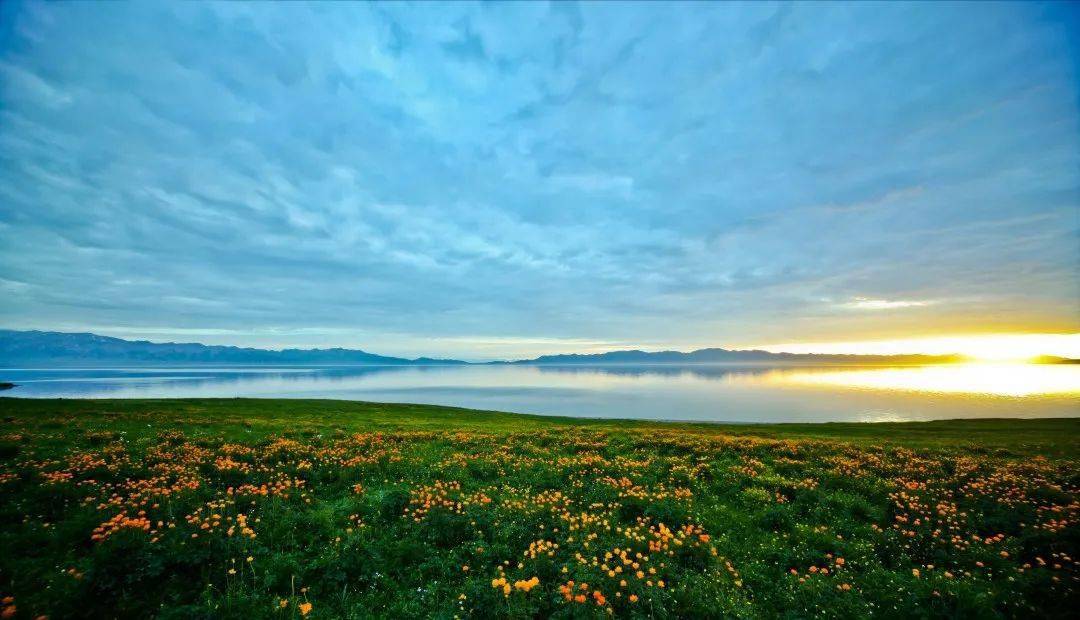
<point x="504" y="180"/>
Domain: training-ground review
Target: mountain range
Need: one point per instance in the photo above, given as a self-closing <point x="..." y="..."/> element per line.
<point x="727" y="356"/>
<point x="22" y="348"/>
<point x="75" y="349"/>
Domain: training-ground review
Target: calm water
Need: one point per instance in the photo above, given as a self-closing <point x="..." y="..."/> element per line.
<point x="713" y="393"/>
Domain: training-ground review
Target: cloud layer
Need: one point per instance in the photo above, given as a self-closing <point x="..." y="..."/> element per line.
<point x="489" y="180"/>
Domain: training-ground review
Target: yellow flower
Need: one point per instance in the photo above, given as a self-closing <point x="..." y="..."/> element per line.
<point x="305" y="608"/>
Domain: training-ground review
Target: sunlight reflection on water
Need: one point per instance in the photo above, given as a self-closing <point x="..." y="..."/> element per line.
<point x="1015" y="380"/>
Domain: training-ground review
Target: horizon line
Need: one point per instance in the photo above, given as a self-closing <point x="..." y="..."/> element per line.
<point x="833" y="349"/>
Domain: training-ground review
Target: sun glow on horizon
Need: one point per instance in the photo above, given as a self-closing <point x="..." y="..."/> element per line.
<point x="989" y="347"/>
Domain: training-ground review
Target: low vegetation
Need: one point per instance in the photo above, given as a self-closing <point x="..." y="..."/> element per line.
<point x="287" y="509"/>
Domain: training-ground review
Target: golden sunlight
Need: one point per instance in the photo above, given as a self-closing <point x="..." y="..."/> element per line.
<point x="1014" y="380"/>
<point x="987" y="347"/>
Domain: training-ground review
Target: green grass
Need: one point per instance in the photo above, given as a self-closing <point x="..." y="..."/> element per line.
<point x="153" y="507"/>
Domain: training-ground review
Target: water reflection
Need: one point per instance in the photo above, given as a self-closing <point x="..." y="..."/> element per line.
<point x="1016" y="380"/>
<point x="747" y="393"/>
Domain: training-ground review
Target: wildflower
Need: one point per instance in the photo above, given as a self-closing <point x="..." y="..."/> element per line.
<point x="283" y="603"/>
<point x="305" y="608"/>
<point x="525" y="586"/>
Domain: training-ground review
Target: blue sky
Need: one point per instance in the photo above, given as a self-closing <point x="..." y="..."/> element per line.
<point x="508" y="179"/>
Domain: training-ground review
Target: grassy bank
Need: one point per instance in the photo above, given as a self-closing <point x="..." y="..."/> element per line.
<point x="287" y="508"/>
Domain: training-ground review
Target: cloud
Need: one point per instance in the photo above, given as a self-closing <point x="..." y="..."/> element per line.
<point x="565" y="173"/>
<point x="862" y="303"/>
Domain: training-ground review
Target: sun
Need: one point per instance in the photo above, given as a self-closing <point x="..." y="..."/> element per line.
<point x="991" y="348"/>
<point x="1014" y="347"/>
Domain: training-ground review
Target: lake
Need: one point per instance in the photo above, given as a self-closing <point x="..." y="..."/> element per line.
<point x="661" y="392"/>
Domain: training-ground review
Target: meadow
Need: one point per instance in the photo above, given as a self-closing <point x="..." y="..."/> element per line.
<point x="320" y="509"/>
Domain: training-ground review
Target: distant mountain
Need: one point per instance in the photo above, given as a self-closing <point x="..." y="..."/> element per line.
<point x="59" y="348"/>
<point x="1054" y="359"/>
<point x="720" y="356"/>
<point x="22" y="348"/>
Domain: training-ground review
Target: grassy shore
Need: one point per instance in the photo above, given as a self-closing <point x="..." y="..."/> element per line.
<point x="289" y="508"/>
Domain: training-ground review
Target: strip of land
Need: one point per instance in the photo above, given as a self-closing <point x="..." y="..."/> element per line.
<point x="233" y="415"/>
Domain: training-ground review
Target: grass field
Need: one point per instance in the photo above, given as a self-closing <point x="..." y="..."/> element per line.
<point x="289" y="508"/>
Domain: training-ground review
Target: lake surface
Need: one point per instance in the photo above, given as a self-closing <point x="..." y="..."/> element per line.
<point x="701" y="393"/>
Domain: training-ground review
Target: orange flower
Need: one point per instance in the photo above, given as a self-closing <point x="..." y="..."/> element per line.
<point x="525" y="586"/>
<point x="305" y="608"/>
